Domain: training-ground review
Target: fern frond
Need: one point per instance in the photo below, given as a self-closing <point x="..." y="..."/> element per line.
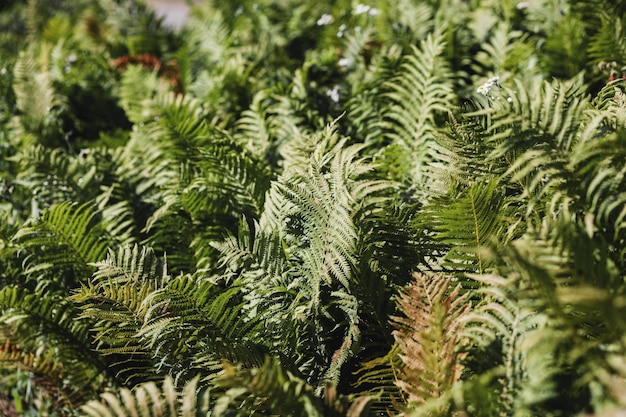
<point x="429" y="336"/>
<point x="518" y="330"/>
<point x="67" y="237"/>
<point x="40" y="105"/>
<point x="253" y="130"/>
<point x="379" y="376"/>
<point x="49" y="330"/>
<point x="410" y="22"/>
<point x="417" y="96"/>
<point x="535" y="135"/>
<point x="129" y="266"/>
<point x="115" y="302"/>
<point x="596" y="159"/>
<point x="230" y="184"/>
<point x="271" y="389"/>
<point x="495" y="52"/>
<point x="607" y="43"/>
<point x="468" y="222"/>
<point x="192" y="321"/>
<point x="151" y="400"/>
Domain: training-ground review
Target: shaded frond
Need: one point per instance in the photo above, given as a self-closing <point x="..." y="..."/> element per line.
<point x="271" y="389"/>
<point x="115" y="303"/>
<point x="51" y="331"/>
<point x="523" y="365"/>
<point x="191" y="322"/>
<point x="379" y="376"/>
<point x="229" y="184"/>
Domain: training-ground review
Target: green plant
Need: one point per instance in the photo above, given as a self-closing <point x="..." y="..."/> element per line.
<point x="313" y="208"/>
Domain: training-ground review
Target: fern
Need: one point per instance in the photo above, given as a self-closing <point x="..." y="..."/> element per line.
<point x="114" y="302"/>
<point x="534" y="136"/>
<point x="417" y="96"/>
<point x="150" y="399"/>
<point x="607" y="44"/>
<point x="49" y="332"/>
<point x="190" y="324"/>
<point x="429" y="337"/>
<point x="42" y="108"/>
<point x="65" y="238"/>
<point x="467" y="221"/>
<point x="378" y="376"/>
<point x="515" y="329"/>
<point x="270" y="388"/>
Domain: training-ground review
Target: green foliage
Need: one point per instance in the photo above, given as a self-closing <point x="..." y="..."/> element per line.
<point x="313" y="208"/>
<point x="148" y="399"/>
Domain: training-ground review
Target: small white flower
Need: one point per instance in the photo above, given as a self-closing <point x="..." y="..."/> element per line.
<point x="374" y="12"/>
<point x="342" y="28"/>
<point x="324" y="19"/>
<point x="485" y="89"/>
<point x="522" y="5"/>
<point x="334" y="94"/>
<point x="360" y="9"/>
<point x="344" y="62"/>
<point x="510" y="99"/>
<point x="3" y="71"/>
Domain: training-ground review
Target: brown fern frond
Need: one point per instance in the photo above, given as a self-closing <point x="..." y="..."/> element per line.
<point x="428" y="336"/>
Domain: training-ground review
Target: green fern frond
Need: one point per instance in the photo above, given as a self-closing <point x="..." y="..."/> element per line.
<point x="252" y="248"/>
<point x="151" y="400"/>
<point x="67" y="237"/>
<point x="315" y="207"/>
<point x="378" y="376"/>
<point x="115" y="303"/>
<point x="230" y="184"/>
<point x="495" y="53"/>
<point x="607" y="43"/>
<point x="524" y="369"/>
<point x="319" y="204"/>
<point x="40" y="106"/>
<point x="468" y="221"/>
<point x="535" y="134"/>
<point x="596" y="159"/>
<point x="417" y="96"/>
<point x="463" y="149"/>
<point x="130" y="265"/>
<point x="191" y="320"/>
<point x="137" y="90"/>
<point x="253" y="130"/>
<point x="55" y="176"/>
<point x="410" y="22"/>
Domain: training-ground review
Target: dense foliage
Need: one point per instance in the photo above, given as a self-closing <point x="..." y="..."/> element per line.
<point x="313" y="208"/>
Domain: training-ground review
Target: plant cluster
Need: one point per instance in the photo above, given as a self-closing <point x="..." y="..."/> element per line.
<point x="325" y="208"/>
